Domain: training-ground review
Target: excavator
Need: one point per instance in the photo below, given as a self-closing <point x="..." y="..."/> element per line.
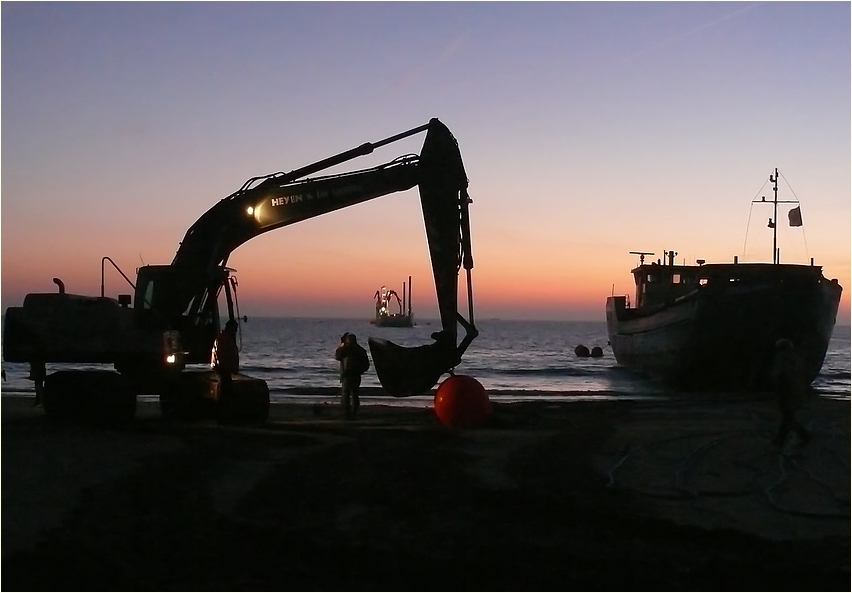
<point x="162" y="340"/>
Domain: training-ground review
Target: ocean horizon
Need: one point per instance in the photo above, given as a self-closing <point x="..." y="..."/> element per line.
<point x="515" y="360"/>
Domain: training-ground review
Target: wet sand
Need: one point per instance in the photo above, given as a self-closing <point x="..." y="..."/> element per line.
<point x="680" y="495"/>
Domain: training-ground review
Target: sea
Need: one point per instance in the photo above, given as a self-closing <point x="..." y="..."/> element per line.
<point x="513" y="360"/>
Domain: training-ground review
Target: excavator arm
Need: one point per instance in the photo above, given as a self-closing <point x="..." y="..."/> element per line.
<point x="267" y="203"/>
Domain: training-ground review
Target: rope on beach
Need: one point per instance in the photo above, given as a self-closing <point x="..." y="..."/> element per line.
<point x="676" y="495"/>
<point x="687" y="464"/>
<point x="770" y="498"/>
<point x="821" y="483"/>
<point x="665" y="494"/>
<point x="692" y="436"/>
<point x="768" y="490"/>
<point x="832" y="435"/>
<point x="827" y="428"/>
<point x="681" y="491"/>
<point x="611" y="473"/>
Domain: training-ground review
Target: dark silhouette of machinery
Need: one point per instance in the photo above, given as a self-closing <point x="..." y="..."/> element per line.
<point x="178" y="309"/>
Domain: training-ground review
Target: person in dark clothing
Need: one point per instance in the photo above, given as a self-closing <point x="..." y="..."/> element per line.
<point x="354" y="362"/>
<point x="791" y="386"/>
<point x="38" y="373"/>
<point x="227" y="356"/>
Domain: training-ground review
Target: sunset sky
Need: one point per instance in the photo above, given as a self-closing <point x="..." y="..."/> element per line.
<point x="588" y="130"/>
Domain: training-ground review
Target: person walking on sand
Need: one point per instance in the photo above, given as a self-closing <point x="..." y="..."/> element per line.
<point x="353" y="363"/>
<point x="791" y="386"/>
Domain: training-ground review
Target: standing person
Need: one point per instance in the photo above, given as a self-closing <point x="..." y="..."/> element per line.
<point x="791" y="386"/>
<point x="38" y="373"/>
<point x="227" y="356"/>
<point x="353" y="363"/>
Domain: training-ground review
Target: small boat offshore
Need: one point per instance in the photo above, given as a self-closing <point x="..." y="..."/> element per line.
<point x="384" y="316"/>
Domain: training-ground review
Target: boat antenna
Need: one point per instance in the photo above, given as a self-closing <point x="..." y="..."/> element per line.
<point x="641" y="255"/>
<point x="773" y="222"/>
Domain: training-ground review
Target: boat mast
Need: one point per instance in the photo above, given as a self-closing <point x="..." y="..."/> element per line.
<point x="773" y="222"/>
<point x="774" y="180"/>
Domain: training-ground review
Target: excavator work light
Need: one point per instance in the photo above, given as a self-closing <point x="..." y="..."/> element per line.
<point x="171" y="346"/>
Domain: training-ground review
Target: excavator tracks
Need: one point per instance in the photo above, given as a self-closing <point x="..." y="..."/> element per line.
<point x="194" y="396"/>
<point x="102" y="397"/>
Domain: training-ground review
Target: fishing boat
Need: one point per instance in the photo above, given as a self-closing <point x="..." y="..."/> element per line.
<point x="715" y="325"/>
<point x="384" y="316"/>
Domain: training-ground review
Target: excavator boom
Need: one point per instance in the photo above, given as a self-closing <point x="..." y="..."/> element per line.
<point x="277" y="203"/>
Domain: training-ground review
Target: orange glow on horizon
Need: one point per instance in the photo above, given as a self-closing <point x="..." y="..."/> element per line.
<point x="332" y="284"/>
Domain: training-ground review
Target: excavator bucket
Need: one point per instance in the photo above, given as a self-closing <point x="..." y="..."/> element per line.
<point x="405" y="371"/>
<point x="442" y="183"/>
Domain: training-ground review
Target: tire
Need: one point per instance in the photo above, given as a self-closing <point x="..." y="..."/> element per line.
<point x="117" y="400"/>
<point x="244" y="407"/>
<point x="59" y="396"/>
<point x="100" y="397"/>
<point x="177" y="402"/>
<point x="262" y="414"/>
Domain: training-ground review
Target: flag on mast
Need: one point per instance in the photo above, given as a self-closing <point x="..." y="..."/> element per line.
<point x="795" y="216"/>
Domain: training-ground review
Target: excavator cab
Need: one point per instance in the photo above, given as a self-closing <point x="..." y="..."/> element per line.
<point x="184" y="299"/>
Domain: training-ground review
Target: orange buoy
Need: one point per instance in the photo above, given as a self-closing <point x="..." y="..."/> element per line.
<point x="461" y="402"/>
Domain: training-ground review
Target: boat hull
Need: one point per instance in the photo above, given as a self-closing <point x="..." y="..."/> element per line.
<point x="723" y="336"/>
<point x="394" y="321"/>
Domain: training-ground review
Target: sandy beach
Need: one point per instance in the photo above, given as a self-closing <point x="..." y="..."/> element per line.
<point x="687" y="494"/>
